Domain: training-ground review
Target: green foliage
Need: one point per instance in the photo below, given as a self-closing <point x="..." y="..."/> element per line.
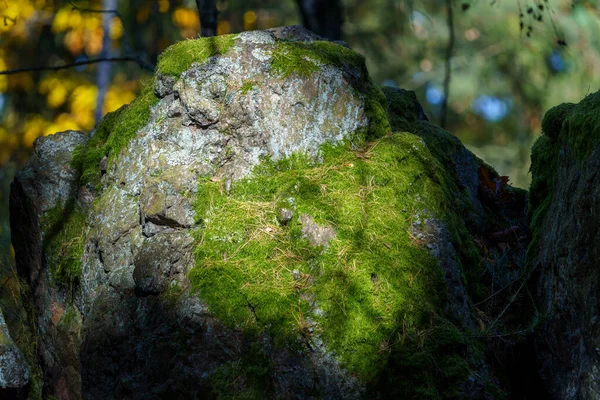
<point x="372" y="287"/>
<point x="180" y="56"/>
<point x="64" y="236"/>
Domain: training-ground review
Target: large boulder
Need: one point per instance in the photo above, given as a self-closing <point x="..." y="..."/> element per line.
<point x="565" y="251"/>
<point x="250" y="226"/>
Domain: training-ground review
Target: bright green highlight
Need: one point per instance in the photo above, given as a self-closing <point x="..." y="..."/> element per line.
<point x="180" y="56"/>
<point x="369" y="292"/>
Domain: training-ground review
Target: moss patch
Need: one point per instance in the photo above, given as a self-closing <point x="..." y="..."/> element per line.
<point x="577" y="127"/>
<point x="247" y="86"/>
<point x="180" y="56"/>
<point x="369" y="290"/>
<point x="246" y="378"/>
<point x="112" y="135"/>
<point x="64" y="229"/>
<point x="304" y="59"/>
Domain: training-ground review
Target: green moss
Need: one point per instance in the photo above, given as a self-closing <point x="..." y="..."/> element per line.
<point x="443" y="145"/>
<point x="118" y="128"/>
<point x="581" y="127"/>
<point x="544" y="166"/>
<point x="64" y="236"/>
<point x="372" y="287"/>
<point x="86" y="158"/>
<point x="247" y="86"/>
<point x="402" y="107"/>
<point x="375" y="110"/>
<point x="304" y="59"/>
<point x="112" y="135"/>
<point x="576" y="127"/>
<point x="554" y="118"/>
<point x="245" y="378"/>
<point x="180" y="56"/>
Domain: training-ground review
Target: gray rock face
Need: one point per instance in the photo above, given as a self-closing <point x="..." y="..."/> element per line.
<point x="14" y="371"/>
<point x="111" y="265"/>
<point x="565" y="253"/>
<point x="49" y="180"/>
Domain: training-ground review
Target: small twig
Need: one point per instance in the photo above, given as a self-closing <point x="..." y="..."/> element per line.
<point x="139" y="61"/>
<point x="449" y="51"/>
<point x="508" y="305"/>
<point x="75" y="7"/>
<point x="499" y="335"/>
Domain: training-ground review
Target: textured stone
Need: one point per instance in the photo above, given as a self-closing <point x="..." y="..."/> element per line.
<point x="14" y="371"/>
<point x="565" y="252"/>
<point x="132" y="324"/>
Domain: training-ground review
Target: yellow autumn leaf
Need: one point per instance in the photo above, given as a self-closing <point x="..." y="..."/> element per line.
<point x="83" y="99"/>
<point x="33" y="129"/>
<point x="61" y="21"/>
<point x="92" y="22"/>
<point x="74" y="41"/>
<point x="57" y="96"/>
<point x="115" y="98"/>
<point x="93" y="39"/>
<point x="75" y="19"/>
<point x="163" y="6"/>
<point x="116" y="28"/>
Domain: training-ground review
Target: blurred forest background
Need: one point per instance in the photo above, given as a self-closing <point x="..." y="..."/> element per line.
<point x="509" y="63"/>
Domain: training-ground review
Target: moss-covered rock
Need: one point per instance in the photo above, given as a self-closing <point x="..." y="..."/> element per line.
<point x="564" y="255"/>
<point x="250" y="226"/>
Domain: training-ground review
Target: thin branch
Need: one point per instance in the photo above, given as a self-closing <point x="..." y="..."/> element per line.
<point x="75" y="7"/>
<point x="449" y="51"/>
<point x="500" y="335"/>
<point x="137" y="60"/>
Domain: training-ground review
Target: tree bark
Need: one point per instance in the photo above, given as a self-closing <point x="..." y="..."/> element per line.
<point x="103" y="74"/>
<point x="207" y="12"/>
<point x="323" y="17"/>
<point x="448" y="69"/>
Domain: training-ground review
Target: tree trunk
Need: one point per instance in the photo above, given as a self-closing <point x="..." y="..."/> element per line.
<point x="103" y="74"/>
<point x="323" y="17"/>
<point x="207" y="11"/>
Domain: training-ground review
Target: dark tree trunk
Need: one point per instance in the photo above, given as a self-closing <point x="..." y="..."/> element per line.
<point x="207" y="10"/>
<point x="103" y="74"/>
<point x="323" y="17"/>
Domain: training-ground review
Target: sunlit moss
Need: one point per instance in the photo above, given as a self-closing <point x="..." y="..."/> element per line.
<point x="112" y="135"/>
<point x="180" y="56"/>
<point x="306" y="58"/>
<point x="374" y="291"/>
